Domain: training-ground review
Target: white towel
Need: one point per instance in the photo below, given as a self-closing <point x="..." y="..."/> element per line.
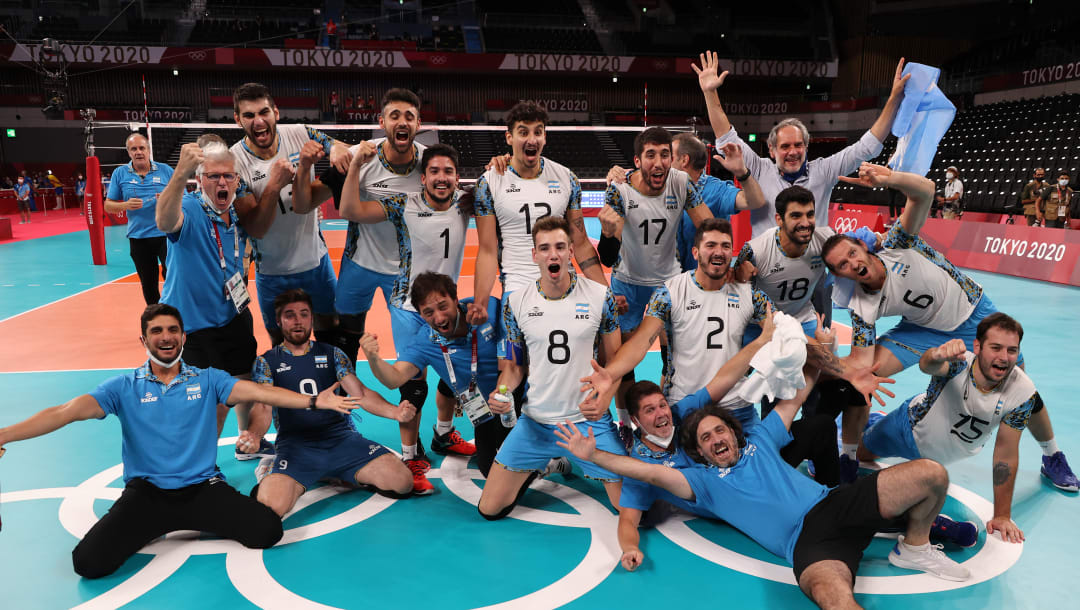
<point x="778" y="365"/>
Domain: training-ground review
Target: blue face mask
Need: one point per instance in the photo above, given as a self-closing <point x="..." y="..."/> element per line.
<point x="796" y="175"/>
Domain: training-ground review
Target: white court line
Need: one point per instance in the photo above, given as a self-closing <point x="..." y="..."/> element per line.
<point x="68" y="370"/>
<point x="65" y="298"/>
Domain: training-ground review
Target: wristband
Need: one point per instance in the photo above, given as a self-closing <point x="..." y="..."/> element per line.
<point x="311" y="405"/>
<point x="744" y="176"/>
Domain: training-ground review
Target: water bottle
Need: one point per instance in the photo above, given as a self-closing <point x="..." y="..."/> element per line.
<point x="509" y="418"/>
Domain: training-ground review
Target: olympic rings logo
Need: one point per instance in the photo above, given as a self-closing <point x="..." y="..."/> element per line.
<point x="249" y="574"/>
<point x="438" y="60"/>
<point x="844" y="224"/>
<point x="197" y="55"/>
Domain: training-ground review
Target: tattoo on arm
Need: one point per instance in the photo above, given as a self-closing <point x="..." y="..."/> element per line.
<point x="579" y="224"/>
<point x="824" y="359"/>
<point x="589" y="262"/>
<point x="1001" y="473"/>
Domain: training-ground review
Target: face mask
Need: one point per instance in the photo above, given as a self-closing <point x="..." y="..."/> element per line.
<point x="949" y="175"/>
<point x="162" y="363"/>
<point x="1063" y="182"/>
<point x="664" y="442"/>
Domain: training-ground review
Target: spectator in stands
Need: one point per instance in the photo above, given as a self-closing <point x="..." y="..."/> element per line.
<point x="331" y="36"/>
<point x="334" y="104"/>
<point x="348" y="102"/>
<point x="1031" y="193"/>
<point x="7" y="183"/>
<point x="371" y="102"/>
<point x="950" y="198"/>
<point x="1053" y="204"/>
<point x="22" y="197"/>
<point x="134" y="189"/>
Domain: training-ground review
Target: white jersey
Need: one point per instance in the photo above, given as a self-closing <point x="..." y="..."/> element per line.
<point x="920" y="285"/>
<point x="953" y="419"/>
<point x="427" y="240"/>
<point x="375" y="246"/>
<point x="517" y="203"/>
<point x="648" y="256"/>
<point x="294" y="243"/>
<point x="704" y="330"/>
<point x="559" y="335"/>
<point x="789" y="282"/>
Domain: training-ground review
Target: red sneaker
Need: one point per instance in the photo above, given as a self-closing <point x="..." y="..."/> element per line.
<point x="420" y="483"/>
<point x="451" y="442"/>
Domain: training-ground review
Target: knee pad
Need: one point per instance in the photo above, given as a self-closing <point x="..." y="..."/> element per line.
<point x="445" y="390"/>
<point x="415" y="391"/>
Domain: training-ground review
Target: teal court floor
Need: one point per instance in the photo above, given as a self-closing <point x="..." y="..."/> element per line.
<point x="354" y="550"/>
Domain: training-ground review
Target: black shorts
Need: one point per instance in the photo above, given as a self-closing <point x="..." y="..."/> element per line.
<point x="230" y="348"/>
<point x="840" y="527"/>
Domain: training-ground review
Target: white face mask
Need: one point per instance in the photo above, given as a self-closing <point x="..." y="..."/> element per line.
<point x="949" y="175"/>
<point x="162" y="363"/>
<point x="662" y="441"/>
<point x="1063" y="182"/>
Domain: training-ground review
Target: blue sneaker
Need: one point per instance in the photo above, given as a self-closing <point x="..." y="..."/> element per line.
<point x="266" y="449"/>
<point x="849" y="470"/>
<point x="1057" y="470"/>
<point x="960" y="533"/>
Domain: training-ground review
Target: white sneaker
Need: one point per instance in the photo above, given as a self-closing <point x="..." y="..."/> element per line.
<point x="559" y="465"/>
<point x="263" y="469"/>
<point x="930" y="560"/>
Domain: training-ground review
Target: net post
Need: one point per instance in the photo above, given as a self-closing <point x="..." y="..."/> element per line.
<point x="95" y="210"/>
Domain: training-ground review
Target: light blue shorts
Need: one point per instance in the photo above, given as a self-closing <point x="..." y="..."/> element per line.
<point x="356" y="288"/>
<point x="319" y="282"/>
<point x="892" y="436"/>
<point x="531" y="445"/>
<point x="908" y="341"/>
<point x="637" y="298"/>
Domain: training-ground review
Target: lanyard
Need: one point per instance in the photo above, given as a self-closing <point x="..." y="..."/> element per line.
<point x="221" y="254"/>
<point x="450" y="366"/>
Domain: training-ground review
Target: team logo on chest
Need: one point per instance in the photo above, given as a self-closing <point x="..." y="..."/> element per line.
<point x="581" y="311"/>
<point x="815" y="261"/>
<point x="671" y="202"/>
<point x="283" y="367"/>
<point x="778" y="267"/>
<point x="554" y="187"/>
<point x="148" y="397"/>
<point x="513" y="188"/>
<point x="424" y="214"/>
<point x="379" y="185"/>
<point x="321" y="362"/>
<point x="194" y="392"/>
<point x="692" y="305"/>
<point x="733" y="301"/>
<point x="632" y="205"/>
<point x="257" y="176"/>
<point x="899" y="268"/>
<point x="535" y="313"/>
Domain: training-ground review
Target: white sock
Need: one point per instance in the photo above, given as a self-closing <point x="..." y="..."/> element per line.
<point x="624" y="416"/>
<point x="443" y="428"/>
<point x="1049" y="447"/>
<point x="916" y="547"/>
<point x="408" y="452"/>
<point x="850" y="449"/>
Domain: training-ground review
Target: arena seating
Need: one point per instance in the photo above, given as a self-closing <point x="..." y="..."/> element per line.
<point x="996" y="147"/>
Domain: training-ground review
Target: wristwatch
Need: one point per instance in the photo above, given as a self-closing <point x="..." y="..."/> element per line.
<point x="744" y="176"/>
<point x="311" y="405"/>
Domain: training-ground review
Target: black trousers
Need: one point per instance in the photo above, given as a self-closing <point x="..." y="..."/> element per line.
<point x="814" y="439"/>
<point x="145" y="512"/>
<point x="146" y="252"/>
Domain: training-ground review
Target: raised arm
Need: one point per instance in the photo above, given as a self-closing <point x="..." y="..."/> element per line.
<point x="710" y="82"/>
<point x="584" y="447"/>
<point x="884" y="122"/>
<point x="48" y="420"/>
<point x="308" y="195"/>
<point x="918" y="190"/>
<point x="584" y="252"/>
<point x="352" y="207"/>
<point x="935" y="361"/>
<point x="751" y="196"/>
<point x="392" y="376"/>
<point x="169" y="213"/>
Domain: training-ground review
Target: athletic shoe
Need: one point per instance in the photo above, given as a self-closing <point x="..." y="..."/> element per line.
<point x="849" y="469"/>
<point x="266" y="449"/>
<point x="930" y="560"/>
<point x="451" y="442"/>
<point x="263" y="469"/>
<point x="559" y="465"/>
<point x="420" y="454"/>
<point x="1057" y="470"/>
<point x="421" y="486"/>
<point x="960" y="533"/>
<point x="626" y="435"/>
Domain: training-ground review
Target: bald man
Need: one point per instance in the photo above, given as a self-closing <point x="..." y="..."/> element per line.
<point x="133" y="190"/>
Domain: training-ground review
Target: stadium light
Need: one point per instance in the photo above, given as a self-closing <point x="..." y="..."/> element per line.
<point x="10" y="132"/>
<point x="175" y="72"/>
<point x="614" y="79"/>
<point x="752" y="138"/>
